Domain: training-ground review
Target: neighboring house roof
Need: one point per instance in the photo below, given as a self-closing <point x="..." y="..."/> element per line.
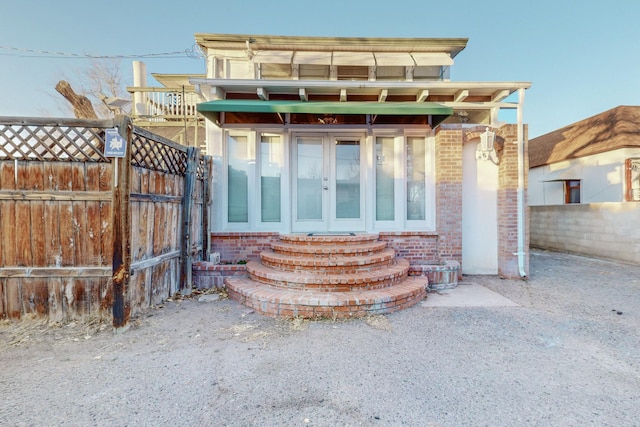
<point x="611" y="130"/>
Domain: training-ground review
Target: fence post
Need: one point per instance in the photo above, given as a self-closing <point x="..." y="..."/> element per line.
<point x="122" y="230"/>
<point x="206" y="195"/>
<point x="193" y="155"/>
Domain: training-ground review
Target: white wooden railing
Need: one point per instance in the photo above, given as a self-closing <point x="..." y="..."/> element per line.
<point x="163" y="104"/>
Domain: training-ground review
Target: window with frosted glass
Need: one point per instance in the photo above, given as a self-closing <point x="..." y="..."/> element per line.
<point x="416" y="170"/>
<point x="309" y="178"/>
<point x="238" y="179"/>
<point x="347" y="179"/>
<point x="385" y="172"/>
<point x="270" y="172"/>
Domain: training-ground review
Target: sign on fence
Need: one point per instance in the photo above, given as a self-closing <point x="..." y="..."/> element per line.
<point x="114" y="144"/>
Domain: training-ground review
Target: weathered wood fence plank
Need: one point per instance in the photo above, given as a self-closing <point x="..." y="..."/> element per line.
<point x="77" y="239"/>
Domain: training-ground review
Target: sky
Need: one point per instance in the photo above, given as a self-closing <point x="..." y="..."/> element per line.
<point x="582" y="57"/>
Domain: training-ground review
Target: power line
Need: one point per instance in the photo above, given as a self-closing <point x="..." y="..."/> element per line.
<point x="35" y="53"/>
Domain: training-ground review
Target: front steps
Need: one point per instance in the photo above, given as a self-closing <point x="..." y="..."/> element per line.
<point x="327" y="276"/>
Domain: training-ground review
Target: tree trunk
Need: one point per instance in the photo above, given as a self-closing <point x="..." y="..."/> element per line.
<point x="82" y="107"/>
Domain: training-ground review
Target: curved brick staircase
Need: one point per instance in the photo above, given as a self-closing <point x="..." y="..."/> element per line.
<point x="336" y="276"/>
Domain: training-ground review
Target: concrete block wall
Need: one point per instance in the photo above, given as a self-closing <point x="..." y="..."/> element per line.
<point x="602" y="230"/>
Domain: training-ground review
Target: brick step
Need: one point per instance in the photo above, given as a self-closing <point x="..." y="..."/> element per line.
<point x="289" y="303"/>
<point x="393" y="273"/>
<point x="328" y="263"/>
<point x="330" y="239"/>
<point x="333" y="249"/>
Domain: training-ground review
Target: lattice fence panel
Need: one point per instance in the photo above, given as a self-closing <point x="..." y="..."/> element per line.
<point x="52" y="143"/>
<point x="153" y="152"/>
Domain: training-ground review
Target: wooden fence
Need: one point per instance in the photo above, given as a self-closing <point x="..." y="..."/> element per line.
<point x="83" y="234"/>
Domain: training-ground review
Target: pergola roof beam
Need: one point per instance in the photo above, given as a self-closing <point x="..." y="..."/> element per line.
<point x="461" y="95"/>
<point x="262" y="93"/>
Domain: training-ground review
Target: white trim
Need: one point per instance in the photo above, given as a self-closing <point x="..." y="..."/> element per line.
<point x="432" y="59"/>
<point x="367" y="222"/>
<point x="273" y="56"/>
<point x="237" y="226"/>
<point x="328" y="222"/>
<point x="391" y="59"/>
<point x="353" y="58"/>
<point x="429" y="222"/>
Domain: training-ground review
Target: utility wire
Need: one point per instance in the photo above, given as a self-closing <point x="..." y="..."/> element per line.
<point x="34" y="53"/>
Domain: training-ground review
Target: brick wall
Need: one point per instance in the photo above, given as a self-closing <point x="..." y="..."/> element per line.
<point x="207" y="275"/>
<point x="234" y="247"/>
<point x="446" y="242"/>
<point x="449" y="194"/>
<point x="413" y="246"/>
<point x="508" y="204"/>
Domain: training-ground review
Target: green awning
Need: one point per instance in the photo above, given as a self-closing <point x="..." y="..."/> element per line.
<point x="325" y="107"/>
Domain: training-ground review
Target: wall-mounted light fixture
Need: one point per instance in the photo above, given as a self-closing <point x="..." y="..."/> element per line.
<point x="485" y="148"/>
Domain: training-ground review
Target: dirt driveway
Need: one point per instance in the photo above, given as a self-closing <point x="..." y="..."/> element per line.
<point x="566" y="354"/>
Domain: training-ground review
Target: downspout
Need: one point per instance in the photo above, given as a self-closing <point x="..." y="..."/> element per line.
<point x="521" y="172"/>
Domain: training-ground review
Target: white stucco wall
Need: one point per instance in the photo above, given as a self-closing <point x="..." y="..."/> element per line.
<point x="602" y="178"/>
<point x="605" y="230"/>
<point x="479" y="213"/>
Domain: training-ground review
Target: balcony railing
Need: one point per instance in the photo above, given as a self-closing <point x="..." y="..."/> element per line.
<point x="163" y="105"/>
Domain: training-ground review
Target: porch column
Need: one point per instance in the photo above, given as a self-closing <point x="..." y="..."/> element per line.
<point x="508" y="205"/>
<point x="449" y="194"/>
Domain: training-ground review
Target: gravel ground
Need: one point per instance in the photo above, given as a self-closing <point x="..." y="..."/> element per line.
<point x="568" y="355"/>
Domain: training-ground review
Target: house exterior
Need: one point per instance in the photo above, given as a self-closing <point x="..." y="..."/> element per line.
<point x="584" y="185"/>
<point x="335" y="135"/>
<point x="168" y="110"/>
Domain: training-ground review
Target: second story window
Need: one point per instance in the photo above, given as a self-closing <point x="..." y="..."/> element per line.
<point x="352" y="72"/>
<point x="390" y="73"/>
<point x="275" y="71"/>
<point x="313" y="72"/>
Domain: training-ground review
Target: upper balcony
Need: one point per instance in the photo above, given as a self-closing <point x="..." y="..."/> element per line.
<point x="169" y="110"/>
<point x="164" y="106"/>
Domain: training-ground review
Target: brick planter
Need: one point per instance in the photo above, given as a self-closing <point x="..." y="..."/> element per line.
<point x="207" y="275"/>
<point x="441" y="276"/>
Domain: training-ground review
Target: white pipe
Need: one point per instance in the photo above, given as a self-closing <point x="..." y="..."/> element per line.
<point x="521" y="172"/>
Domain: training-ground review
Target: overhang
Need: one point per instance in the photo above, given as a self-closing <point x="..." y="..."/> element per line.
<point x="324" y="107"/>
<point x="568" y="174"/>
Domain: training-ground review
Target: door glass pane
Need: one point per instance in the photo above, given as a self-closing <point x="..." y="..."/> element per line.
<point x="385" y="173"/>
<point x="309" y="178"/>
<point x="416" y="169"/>
<point x="270" y="171"/>
<point x="238" y="179"/>
<point x="347" y="179"/>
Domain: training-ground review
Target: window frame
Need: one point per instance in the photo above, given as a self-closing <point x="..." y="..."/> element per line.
<point x="400" y="221"/>
<point x="569" y="185"/>
<point x="632" y="167"/>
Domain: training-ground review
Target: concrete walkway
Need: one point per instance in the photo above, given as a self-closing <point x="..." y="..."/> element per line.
<point x="467" y="294"/>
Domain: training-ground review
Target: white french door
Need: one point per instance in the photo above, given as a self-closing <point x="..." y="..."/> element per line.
<point x="327" y="184"/>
